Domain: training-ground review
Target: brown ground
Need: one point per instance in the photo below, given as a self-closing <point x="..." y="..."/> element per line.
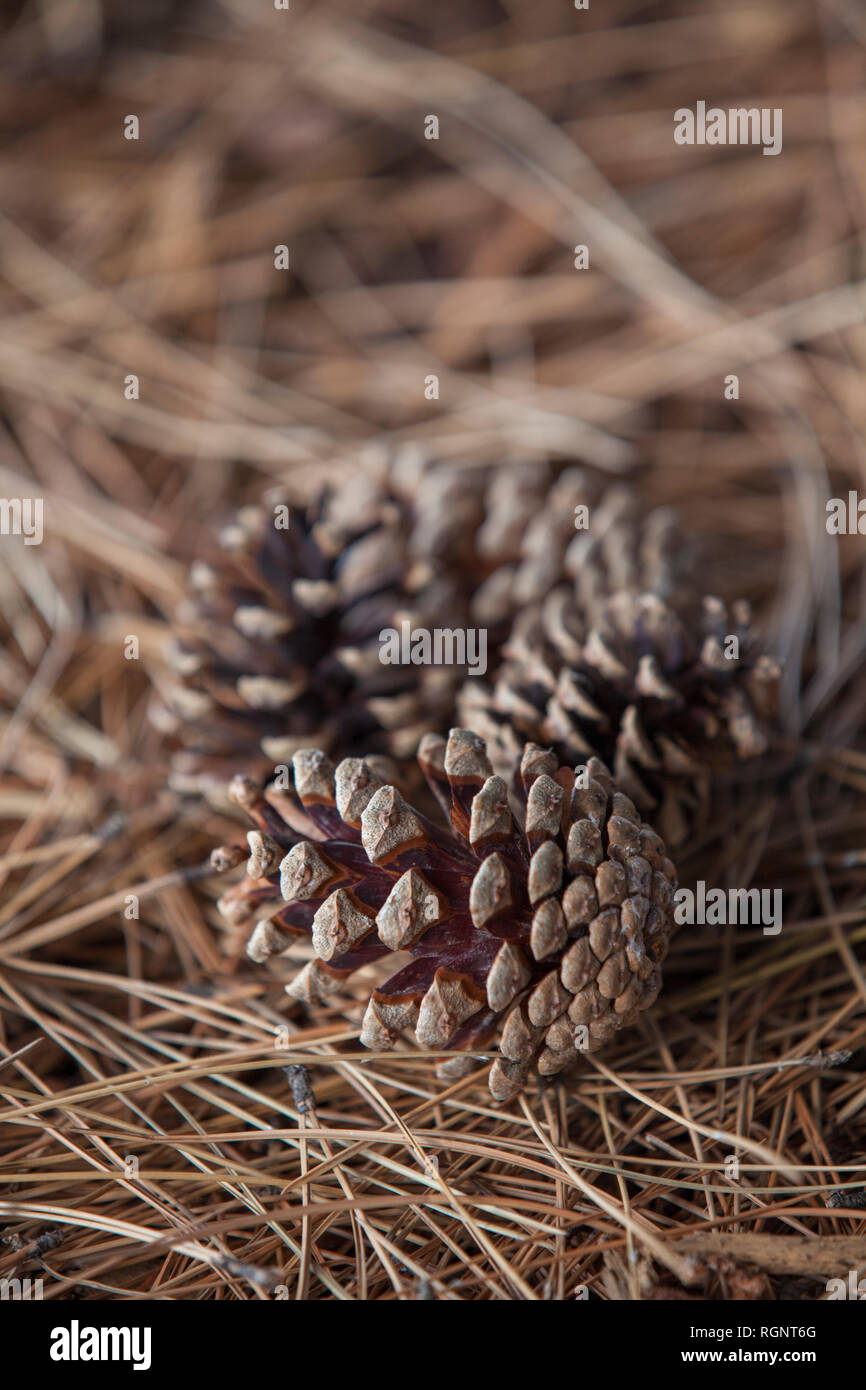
<point x="154" y="1039"/>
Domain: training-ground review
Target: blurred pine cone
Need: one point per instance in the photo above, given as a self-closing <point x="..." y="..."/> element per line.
<point x="277" y="645"/>
<point x="613" y="653"/>
<point x="606" y="649"/>
<point x="540" y="938"/>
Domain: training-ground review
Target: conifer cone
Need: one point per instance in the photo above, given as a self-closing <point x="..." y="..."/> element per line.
<point x="614" y="654"/>
<point x="535" y="932"/>
<point x="277" y="645"/>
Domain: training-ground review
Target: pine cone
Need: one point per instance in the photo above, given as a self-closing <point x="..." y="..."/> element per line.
<point x="613" y="655"/>
<point x="542" y="938"/>
<point x="277" y="646"/>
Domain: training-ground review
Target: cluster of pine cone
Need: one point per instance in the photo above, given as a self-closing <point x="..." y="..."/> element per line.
<point x="536" y="918"/>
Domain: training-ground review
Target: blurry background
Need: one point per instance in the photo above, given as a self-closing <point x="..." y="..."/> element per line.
<point x="410" y="257"/>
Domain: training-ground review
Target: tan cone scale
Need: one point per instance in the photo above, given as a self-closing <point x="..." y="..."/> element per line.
<point x="533" y="936"/>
